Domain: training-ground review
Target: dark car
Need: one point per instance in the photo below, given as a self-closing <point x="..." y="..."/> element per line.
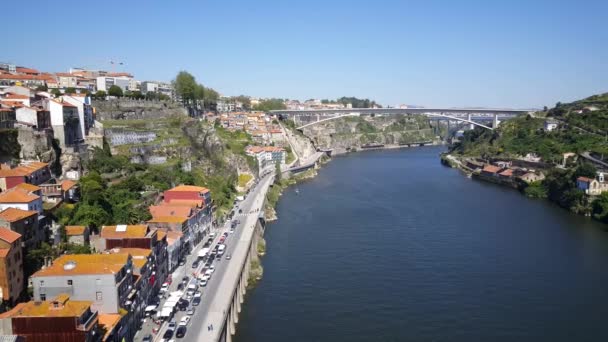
<point x="195" y="264"/>
<point x="185" y="279"/>
<point x="240" y="211"/>
<point x="181" y="331"/>
<point x="180" y="286"/>
<point x="168" y="334"/>
<point x="147" y="338"/>
<point x="182" y="304"/>
<point x="196" y="301"/>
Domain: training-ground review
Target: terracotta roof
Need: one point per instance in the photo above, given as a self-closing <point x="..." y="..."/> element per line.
<point x="64" y="74"/>
<point x="12" y="103"/>
<point x="33" y="166"/>
<point x="164" y="210"/>
<point x="27" y="70"/>
<point x="139" y="255"/>
<point x="109" y="322"/>
<point x="4" y="252"/>
<point x="6" y="110"/>
<point x="173" y="236"/>
<point x="8" y="235"/>
<point x="16" y="97"/>
<point x="15" y="214"/>
<point x="258" y="149"/>
<point x="491" y="168"/>
<point x="17" y="196"/>
<point x="124" y="231"/>
<point x="75" y="230"/>
<point x="16" y="172"/>
<point x="189" y="188"/>
<point x="27" y="187"/>
<point x="67" y="185"/>
<point x="67" y="308"/>
<point x="584" y="179"/>
<point x="78" y="264"/>
<point x="507" y="173"/>
<point x="188" y="203"/>
<point x="160" y="234"/>
<point x="168" y="219"/>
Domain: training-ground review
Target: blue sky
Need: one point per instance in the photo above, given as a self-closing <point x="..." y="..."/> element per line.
<point x="435" y="53"/>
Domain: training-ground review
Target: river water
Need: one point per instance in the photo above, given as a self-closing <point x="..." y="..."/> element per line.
<point x="393" y="246"/>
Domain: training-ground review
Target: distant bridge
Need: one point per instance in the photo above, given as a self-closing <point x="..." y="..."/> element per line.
<point x="457" y="114"/>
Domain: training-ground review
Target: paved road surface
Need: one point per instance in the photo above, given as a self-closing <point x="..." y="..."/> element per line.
<point x="217" y="293"/>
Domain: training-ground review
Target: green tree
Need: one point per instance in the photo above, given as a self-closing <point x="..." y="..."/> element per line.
<point x="115" y="91"/>
<point x="270" y="104"/>
<point x="277" y="171"/>
<point x="535" y="190"/>
<point x="585" y="169"/>
<point x="42" y="88"/>
<point x="56" y="92"/>
<point x="100" y="94"/>
<point x="600" y="207"/>
<point x="70" y="90"/>
<point x="91" y="215"/>
<point x="185" y="87"/>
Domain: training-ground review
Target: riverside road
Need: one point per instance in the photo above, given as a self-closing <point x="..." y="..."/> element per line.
<point x="216" y="295"/>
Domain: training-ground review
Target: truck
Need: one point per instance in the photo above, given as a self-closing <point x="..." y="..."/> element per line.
<point x="240" y="198"/>
<point x="203" y="253"/>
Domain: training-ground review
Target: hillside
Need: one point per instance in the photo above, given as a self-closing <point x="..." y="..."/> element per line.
<point x="582" y="126"/>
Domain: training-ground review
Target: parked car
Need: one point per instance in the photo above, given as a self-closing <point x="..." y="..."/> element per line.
<point x="165" y="287"/>
<point x="168" y="334"/>
<point x="202" y="282"/>
<point x="195" y="264"/>
<point x="147" y="338"/>
<point x="228" y="256"/>
<point x="191" y="311"/>
<point x="212" y="268"/>
<point x="196" y="301"/>
<point x="181" y="332"/>
<point x="172" y="325"/>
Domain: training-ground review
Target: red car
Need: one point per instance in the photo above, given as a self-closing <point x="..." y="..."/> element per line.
<point x="222" y="239"/>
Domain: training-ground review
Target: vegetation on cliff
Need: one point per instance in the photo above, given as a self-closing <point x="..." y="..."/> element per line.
<point x="353" y="101"/>
<point x="9" y="148"/>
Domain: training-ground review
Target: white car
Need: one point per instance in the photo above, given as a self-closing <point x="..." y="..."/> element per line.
<point x="184" y="320"/>
<point x="165" y="287"/>
<point x="197" y="295"/>
<point x="204" y="277"/>
<point x="208" y="272"/>
<point x="202" y="282"/>
<point x="212" y="268"/>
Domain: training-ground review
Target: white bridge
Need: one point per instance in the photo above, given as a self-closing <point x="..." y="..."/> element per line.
<point x="472" y="116"/>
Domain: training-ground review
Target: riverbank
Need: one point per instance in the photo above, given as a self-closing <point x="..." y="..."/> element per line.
<point x="558" y="185"/>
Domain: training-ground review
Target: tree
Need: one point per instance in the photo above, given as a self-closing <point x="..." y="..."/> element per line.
<point x="56" y="92"/>
<point x="185" y="87"/>
<point x="70" y="90"/>
<point x="100" y="94"/>
<point x="271" y="104"/>
<point x="585" y="170"/>
<point x="277" y="171"/>
<point x="42" y="88"/>
<point x="115" y="91"/>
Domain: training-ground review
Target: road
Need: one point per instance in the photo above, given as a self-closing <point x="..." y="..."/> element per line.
<point x="217" y="294"/>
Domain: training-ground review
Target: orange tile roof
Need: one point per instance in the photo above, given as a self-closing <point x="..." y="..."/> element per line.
<point x="139" y="255"/>
<point x="64" y="74"/>
<point x="188" y="203"/>
<point x="79" y="264"/>
<point x="27" y="187"/>
<point x="584" y="179"/>
<point x="27" y="70"/>
<point x="17" y="196"/>
<point x="23" y="77"/>
<point x="131" y="231"/>
<point x="67" y="185"/>
<point x="67" y="308"/>
<point x="173" y="236"/>
<point x="168" y="219"/>
<point x="189" y="188"/>
<point x="16" y="172"/>
<point x="4" y="252"/>
<point x="15" y="214"/>
<point x="109" y="322"/>
<point x="491" y="168"/>
<point x="34" y="165"/>
<point x="160" y="234"/>
<point x="75" y="230"/>
<point x="8" y="235"/>
<point x="12" y="103"/>
<point x="164" y="210"/>
<point x="507" y="173"/>
<point x="16" y="97"/>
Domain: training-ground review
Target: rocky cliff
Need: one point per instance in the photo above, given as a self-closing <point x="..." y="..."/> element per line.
<point x="127" y="109"/>
<point x="352" y="133"/>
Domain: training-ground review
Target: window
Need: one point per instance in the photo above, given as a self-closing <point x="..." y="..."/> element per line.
<point x="42" y="297"/>
<point x="42" y="283"/>
<point x="70" y="282"/>
<point x="99" y="296"/>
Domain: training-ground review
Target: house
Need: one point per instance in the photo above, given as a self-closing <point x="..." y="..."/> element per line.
<point x="7" y="117"/>
<point x="506" y="174"/>
<point x="267" y="156"/>
<point x="65" y="121"/>
<point x="58" y="319"/>
<point x="24" y="222"/>
<point x="104" y="279"/>
<point x="84" y="108"/>
<point x="66" y="80"/>
<point x="36" y="117"/>
<point x="551" y="124"/>
<point x="592" y="186"/>
<point x="66" y="190"/>
<point x="176" y="247"/>
<point x="78" y="235"/>
<point x="11" y="265"/>
<point x="20" y="199"/>
<point x="490" y="170"/>
<point x="188" y="192"/>
<point x="31" y="172"/>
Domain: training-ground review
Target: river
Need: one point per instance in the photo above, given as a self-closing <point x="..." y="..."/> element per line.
<point x="392" y="246"/>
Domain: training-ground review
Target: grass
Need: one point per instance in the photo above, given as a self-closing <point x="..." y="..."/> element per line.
<point x="244" y="178"/>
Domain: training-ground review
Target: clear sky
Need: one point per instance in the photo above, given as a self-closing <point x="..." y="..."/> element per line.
<point x="515" y="53"/>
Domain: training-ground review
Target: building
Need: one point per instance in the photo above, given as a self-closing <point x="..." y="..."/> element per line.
<point x="164" y="88"/>
<point x="551" y="124"/>
<point x="104" y="279"/>
<point x="56" y="320"/>
<point x="267" y="156"/>
<point x="20" y="199"/>
<point x="123" y="80"/>
<point x="24" y="222"/>
<point x="66" y="190"/>
<point x="490" y="170"/>
<point x="530" y="177"/>
<point x="84" y="108"/>
<point x="592" y="186"/>
<point x="66" y="80"/>
<point x="7" y="117"/>
<point x="11" y="265"/>
<point x="188" y="192"/>
<point x="65" y="121"/>
<point x="78" y="235"/>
